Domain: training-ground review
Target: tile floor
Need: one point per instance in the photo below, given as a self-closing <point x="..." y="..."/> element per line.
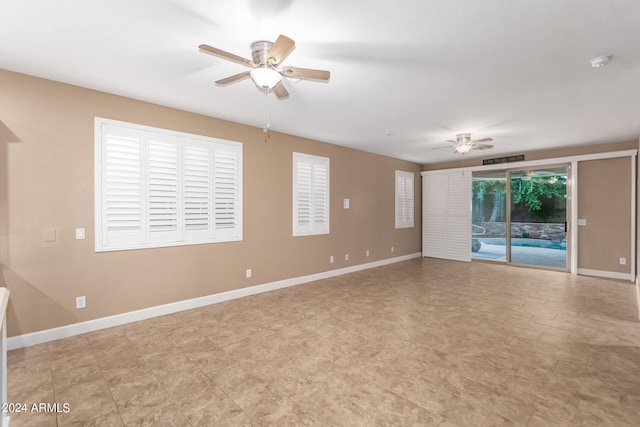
<point x="422" y="342"/>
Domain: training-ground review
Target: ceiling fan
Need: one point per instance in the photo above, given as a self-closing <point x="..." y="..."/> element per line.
<point x="463" y="143"/>
<point x="266" y="70"/>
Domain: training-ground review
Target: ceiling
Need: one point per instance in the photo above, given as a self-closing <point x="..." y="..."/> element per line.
<point x="405" y="75"/>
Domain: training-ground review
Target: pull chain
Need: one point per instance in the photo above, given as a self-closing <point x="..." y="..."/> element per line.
<point x="267" y="125"/>
<point x="266" y="110"/>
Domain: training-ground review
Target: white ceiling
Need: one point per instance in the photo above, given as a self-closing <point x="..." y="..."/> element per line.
<point x="420" y="70"/>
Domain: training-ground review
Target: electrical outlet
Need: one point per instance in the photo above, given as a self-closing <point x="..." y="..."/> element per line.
<point x="367" y="252"/>
<point x="248" y="273"/>
<point x="623" y="261"/>
<point x="346" y="257"/>
<point x="81" y="302"/>
<point x="392" y="249"/>
<point x="331" y="259"/>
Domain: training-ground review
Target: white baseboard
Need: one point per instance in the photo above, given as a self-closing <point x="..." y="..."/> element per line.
<point x="607" y="274"/>
<point x="47" y="335"/>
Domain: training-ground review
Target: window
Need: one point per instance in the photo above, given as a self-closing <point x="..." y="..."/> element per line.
<point x="156" y="187"/>
<point x="404" y="199"/>
<point x="310" y="195"/>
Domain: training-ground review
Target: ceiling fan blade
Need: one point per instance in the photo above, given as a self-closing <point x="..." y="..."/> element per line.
<point x="280" y="49"/>
<point x="226" y="55"/>
<point x="280" y="91"/>
<point x="233" y="79"/>
<point x="482" y="146"/>
<point x="484" y="140"/>
<point x="306" y="73"/>
<point x="440" y="147"/>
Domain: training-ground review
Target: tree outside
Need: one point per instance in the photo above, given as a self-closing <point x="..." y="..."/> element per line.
<point x="535" y="199"/>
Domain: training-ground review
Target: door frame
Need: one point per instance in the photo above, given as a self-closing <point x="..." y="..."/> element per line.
<point x="506" y="174"/>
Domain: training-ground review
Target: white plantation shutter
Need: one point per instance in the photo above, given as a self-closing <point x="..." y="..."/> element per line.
<point x="446" y="222"/>
<point x="161" y="188"/>
<point x="320" y="195"/>
<point x="303" y="196"/>
<point x="459" y="216"/>
<point x="310" y="195"/>
<point x="122" y="187"/>
<point x="404" y="199"/>
<point x="226" y="195"/>
<point x="434" y="214"/>
<point x="197" y="191"/>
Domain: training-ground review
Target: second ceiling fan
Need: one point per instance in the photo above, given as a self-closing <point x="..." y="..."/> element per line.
<point x="463" y="143"/>
<point x="266" y="71"/>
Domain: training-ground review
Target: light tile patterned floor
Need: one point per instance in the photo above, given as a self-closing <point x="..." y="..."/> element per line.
<point x="422" y="342"/>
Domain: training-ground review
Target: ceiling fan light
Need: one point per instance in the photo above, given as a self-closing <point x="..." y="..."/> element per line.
<point x="464" y="148"/>
<point x="265" y="78"/>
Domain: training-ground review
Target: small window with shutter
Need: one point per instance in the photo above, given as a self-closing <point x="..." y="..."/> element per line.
<point x="156" y="187"/>
<point x="310" y="195"/>
<point x="404" y="199"/>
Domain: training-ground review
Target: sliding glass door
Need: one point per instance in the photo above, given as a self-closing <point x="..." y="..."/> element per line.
<point x="489" y="215"/>
<point x="538" y="216"/>
<point x="520" y="216"/>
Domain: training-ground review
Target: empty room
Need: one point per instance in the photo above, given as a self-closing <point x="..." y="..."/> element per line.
<point x="284" y="212"/>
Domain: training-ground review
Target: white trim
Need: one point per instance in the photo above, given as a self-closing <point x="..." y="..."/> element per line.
<point x="606" y="274"/>
<point x="4" y="302"/>
<point x="541" y="162"/>
<point x="47" y="335"/>
<point x="634" y="213"/>
<point x="638" y="296"/>
<point x="573" y="221"/>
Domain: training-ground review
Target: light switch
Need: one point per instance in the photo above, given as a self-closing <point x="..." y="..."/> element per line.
<point x="345" y="203"/>
<point x="79" y="233"/>
<point x="582" y="222"/>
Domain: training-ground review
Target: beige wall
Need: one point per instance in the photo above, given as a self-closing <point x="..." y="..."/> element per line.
<point x="46" y="182"/>
<point x="604" y="201"/>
